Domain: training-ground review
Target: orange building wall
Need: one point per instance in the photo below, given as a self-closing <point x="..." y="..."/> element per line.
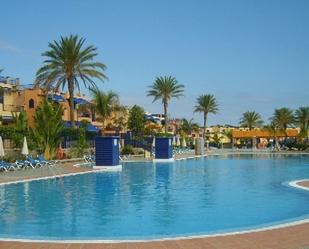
<point x="262" y="133"/>
<point x="38" y="97"/>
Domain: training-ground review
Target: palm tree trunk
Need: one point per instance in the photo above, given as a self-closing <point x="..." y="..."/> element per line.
<point x="71" y="101"/>
<point x="165" y="117"/>
<point x="205" y="120"/>
<point x="103" y="127"/>
<point x="252" y="138"/>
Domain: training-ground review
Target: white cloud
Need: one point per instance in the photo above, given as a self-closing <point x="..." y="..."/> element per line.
<point x="6" y="46"/>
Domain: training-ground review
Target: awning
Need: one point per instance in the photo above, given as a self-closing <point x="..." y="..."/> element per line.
<point x="7" y="118"/>
<point x="92" y="128"/>
<point x="80" y="101"/>
<point x="152" y="118"/>
<point x="56" y="98"/>
<point x="89" y="127"/>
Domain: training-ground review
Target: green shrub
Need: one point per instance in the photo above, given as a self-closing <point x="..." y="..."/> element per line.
<point x="127" y="150"/>
<point x="162" y="134"/>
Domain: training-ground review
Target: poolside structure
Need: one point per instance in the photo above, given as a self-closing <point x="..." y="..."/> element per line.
<point x="163" y="149"/>
<point x="107" y="153"/>
<point x="199" y="146"/>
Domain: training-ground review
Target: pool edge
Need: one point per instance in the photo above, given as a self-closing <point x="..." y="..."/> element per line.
<point x="294" y="184"/>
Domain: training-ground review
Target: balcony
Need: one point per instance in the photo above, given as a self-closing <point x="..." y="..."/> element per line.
<point x="13" y="108"/>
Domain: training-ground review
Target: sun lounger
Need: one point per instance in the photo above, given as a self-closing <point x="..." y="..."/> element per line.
<point x="45" y="162"/>
<point x="32" y="163"/>
<point x="3" y="167"/>
<point x="6" y="166"/>
<point x="89" y="158"/>
<point x="20" y="164"/>
<point x="123" y="157"/>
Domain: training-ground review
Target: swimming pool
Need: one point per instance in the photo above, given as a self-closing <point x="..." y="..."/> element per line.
<point x="147" y="201"/>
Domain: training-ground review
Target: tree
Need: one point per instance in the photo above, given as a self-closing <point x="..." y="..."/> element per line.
<point x="66" y="63"/>
<point x="105" y="104"/>
<point x="20" y="121"/>
<point x="165" y="88"/>
<point x="283" y="118"/>
<point x="274" y="132"/>
<point x="119" y="123"/>
<point x="229" y="134"/>
<point x="188" y="126"/>
<point x="206" y="104"/>
<point x="217" y="138"/>
<point x="302" y="120"/>
<point x="120" y="118"/>
<point x="136" y="121"/>
<point x="48" y="126"/>
<point x="20" y="124"/>
<point x="251" y="119"/>
<point x="81" y="144"/>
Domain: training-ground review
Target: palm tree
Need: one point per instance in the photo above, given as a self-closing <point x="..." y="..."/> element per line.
<point x="105" y="104"/>
<point x="229" y="135"/>
<point x="251" y="119"/>
<point x="273" y="129"/>
<point x="20" y="121"/>
<point x="66" y="63"/>
<point x="165" y="88"/>
<point x="206" y="104"/>
<point x="188" y="126"/>
<point x="217" y="138"/>
<point x="48" y="127"/>
<point x="302" y="120"/>
<point x="283" y="118"/>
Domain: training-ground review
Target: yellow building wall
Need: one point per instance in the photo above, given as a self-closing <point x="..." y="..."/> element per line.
<point x="12" y="102"/>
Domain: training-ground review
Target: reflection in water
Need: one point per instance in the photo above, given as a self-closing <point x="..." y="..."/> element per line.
<point x="165" y="206"/>
<point x="149" y="200"/>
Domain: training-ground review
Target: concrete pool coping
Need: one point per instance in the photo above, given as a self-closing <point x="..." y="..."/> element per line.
<point x="300" y="184"/>
<point x="294" y="225"/>
<point x="116" y="241"/>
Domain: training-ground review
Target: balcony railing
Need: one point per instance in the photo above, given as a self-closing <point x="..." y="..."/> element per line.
<point x="13" y="108"/>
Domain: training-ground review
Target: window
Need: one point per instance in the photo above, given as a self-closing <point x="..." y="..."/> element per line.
<point x="31" y="103"/>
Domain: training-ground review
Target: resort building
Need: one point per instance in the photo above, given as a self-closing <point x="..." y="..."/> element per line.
<point x="10" y="99"/>
<point x="260" y="138"/>
<point x="15" y="98"/>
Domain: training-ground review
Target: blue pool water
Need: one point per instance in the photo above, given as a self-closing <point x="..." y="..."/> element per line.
<point x="145" y="200"/>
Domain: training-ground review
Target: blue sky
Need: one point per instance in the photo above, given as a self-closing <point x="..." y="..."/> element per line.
<point x="252" y="55"/>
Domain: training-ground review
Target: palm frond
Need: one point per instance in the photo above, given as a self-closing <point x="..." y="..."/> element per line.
<point x="67" y="60"/>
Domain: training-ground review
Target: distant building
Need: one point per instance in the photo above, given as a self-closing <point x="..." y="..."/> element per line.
<point x="260" y="137"/>
<point x="10" y="99"/>
<point x="15" y="98"/>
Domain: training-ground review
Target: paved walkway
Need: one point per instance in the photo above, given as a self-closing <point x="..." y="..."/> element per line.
<point x="296" y="237"/>
<point x="23" y="174"/>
